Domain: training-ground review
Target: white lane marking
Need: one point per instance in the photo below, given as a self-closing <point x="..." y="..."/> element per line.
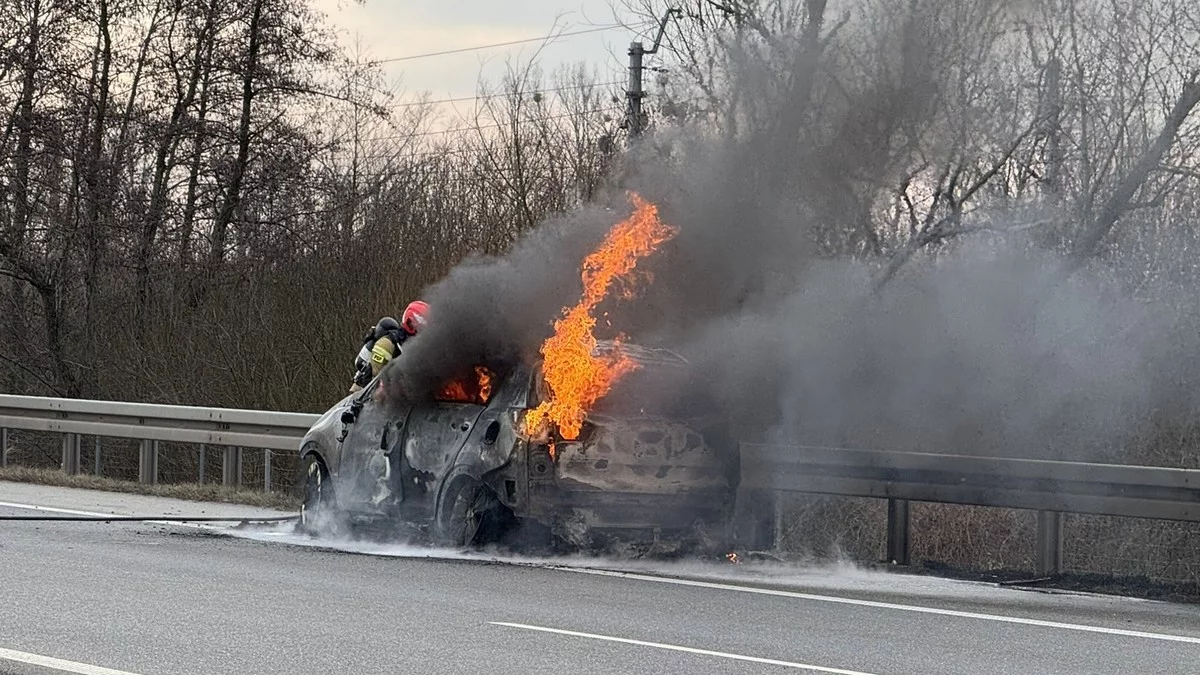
<point x="51" y="509"/>
<point x="58" y="664"/>
<point x="689" y="650"/>
<point x="886" y="605"/>
<point x="75" y="512"/>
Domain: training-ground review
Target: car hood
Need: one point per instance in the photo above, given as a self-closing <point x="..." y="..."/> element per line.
<point x="642" y="454"/>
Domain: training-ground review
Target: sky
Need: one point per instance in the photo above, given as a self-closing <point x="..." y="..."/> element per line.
<point x="390" y="28"/>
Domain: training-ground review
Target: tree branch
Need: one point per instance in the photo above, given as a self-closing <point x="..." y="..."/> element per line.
<point x="1119" y="202"/>
<point x="939" y="230"/>
<point x="28" y="371"/>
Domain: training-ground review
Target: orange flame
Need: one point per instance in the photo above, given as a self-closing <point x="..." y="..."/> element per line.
<point x="484" y="377"/>
<point x="457" y="391"/>
<point x="576" y="376"/>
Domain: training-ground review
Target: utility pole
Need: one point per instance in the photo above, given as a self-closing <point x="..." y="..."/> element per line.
<point x="634" y="119"/>
<point x="633" y="94"/>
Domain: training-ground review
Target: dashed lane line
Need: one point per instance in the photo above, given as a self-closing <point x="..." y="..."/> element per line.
<point x="688" y="650"/>
<point x="884" y="605"/>
<point x="58" y="664"/>
<point x="76" y="512"/>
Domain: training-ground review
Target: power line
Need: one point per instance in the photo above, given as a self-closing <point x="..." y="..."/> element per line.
<point x="384" y="157"/>
<point x="497" y="126"/>
<point x="483" y="97"/>
<point x="502" y="44"/>
<point x="438" y="132"/>
<point x="524" y="120"/>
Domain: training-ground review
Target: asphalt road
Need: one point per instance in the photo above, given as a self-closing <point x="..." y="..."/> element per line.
<point x="160" y="598"/>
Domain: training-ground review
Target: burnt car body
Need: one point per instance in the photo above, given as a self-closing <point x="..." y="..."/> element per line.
<point x="651" y="471"/>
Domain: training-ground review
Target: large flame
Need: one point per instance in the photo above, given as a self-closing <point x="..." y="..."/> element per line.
<point x="576" y="376"/>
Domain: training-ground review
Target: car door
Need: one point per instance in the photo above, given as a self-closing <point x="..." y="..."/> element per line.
<point x="377" y="423"/>
<point x="435" y="432"/>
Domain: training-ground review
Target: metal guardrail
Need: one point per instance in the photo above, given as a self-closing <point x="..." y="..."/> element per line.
<point x="1051" y="488"/>
<point x="151" y="423"/>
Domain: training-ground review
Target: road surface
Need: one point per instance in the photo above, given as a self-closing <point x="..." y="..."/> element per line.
<point x="144" y="598"/>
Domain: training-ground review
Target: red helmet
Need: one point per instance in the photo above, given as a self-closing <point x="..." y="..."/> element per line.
<point x="414" y="317"/>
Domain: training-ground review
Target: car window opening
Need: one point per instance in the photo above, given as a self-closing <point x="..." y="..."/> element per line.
<point x="476" y="388"/>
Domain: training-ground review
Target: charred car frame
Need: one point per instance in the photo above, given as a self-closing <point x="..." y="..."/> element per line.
<point x="651" y="472"/>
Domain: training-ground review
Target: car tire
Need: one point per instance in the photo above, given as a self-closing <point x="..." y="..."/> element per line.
<point x="318" y="511"/>
<point x="471" y="515"/>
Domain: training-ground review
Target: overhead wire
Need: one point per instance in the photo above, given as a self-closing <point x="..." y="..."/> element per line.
<point x="549" y="36"/>
<point x="457" y="151"/>
<point x="438" y="132"/>
<point x="547" y="118"/>
<point x="484" y="97"/>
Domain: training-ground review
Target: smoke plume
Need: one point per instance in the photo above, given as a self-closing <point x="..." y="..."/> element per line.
<point x="987" y="347"/>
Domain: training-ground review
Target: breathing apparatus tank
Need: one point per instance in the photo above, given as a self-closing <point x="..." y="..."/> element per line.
<point x="362" y="362"/>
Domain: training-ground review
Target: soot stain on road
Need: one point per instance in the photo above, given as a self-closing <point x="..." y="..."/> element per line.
<point x="760" y="569"/>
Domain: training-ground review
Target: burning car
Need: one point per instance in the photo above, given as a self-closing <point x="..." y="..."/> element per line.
<point x="601" y="444"/>
<point x="648" y="470"/>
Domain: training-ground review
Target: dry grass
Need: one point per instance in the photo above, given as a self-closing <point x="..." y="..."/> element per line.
<point x="977" y="537"/>
<point x="1155" y="549"/>
<point x="830" y="527"/>
<point x="188" y="491"/>
<point x="981" y="539"/>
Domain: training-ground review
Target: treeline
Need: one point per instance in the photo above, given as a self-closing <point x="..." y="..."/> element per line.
<point x="906" y="125"/>
<point x="205" y="202"/>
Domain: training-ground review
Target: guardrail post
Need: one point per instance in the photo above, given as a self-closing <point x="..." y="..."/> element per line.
<point x="267" y="470"/>
<point x="1049" y="542"/>
<point x="96" y="456"/>
<point x="148" y="462"/>
<point x="777" y="533"/>
<point x="201" y="481"/>
<point x="70" y="454"/>
<point x="231" y="466"/>
<point x="77" y="453"/>
<point x="897" y="538"/>
<point x="757" y="522"/>
<point x="3" y="447"/>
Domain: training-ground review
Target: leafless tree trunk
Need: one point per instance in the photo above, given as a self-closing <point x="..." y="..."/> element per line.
<point x="21" y="206"/>
<point x="199" y="141"/>
<point x="97" y="189"/>
<point x="237" y="171"/>
<point x="164" y="161"/>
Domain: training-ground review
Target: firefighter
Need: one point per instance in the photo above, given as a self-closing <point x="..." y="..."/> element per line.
<point x="382" y="344"/>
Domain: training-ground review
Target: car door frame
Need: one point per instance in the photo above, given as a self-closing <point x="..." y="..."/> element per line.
<point x="505" y="409"/>
<point x="348" y="454"/>
<point x="424" y="413"/>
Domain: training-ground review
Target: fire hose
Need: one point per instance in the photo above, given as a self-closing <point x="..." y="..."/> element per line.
<point x="141" y="519"/>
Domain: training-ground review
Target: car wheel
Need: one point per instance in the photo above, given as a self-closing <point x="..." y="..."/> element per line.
<point x="471" y="515"/>
<point x="318" y="510"/>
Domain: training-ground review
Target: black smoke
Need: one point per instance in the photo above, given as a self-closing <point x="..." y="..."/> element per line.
<point x="498" y="310"/>
<point x="990" y="345"/>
